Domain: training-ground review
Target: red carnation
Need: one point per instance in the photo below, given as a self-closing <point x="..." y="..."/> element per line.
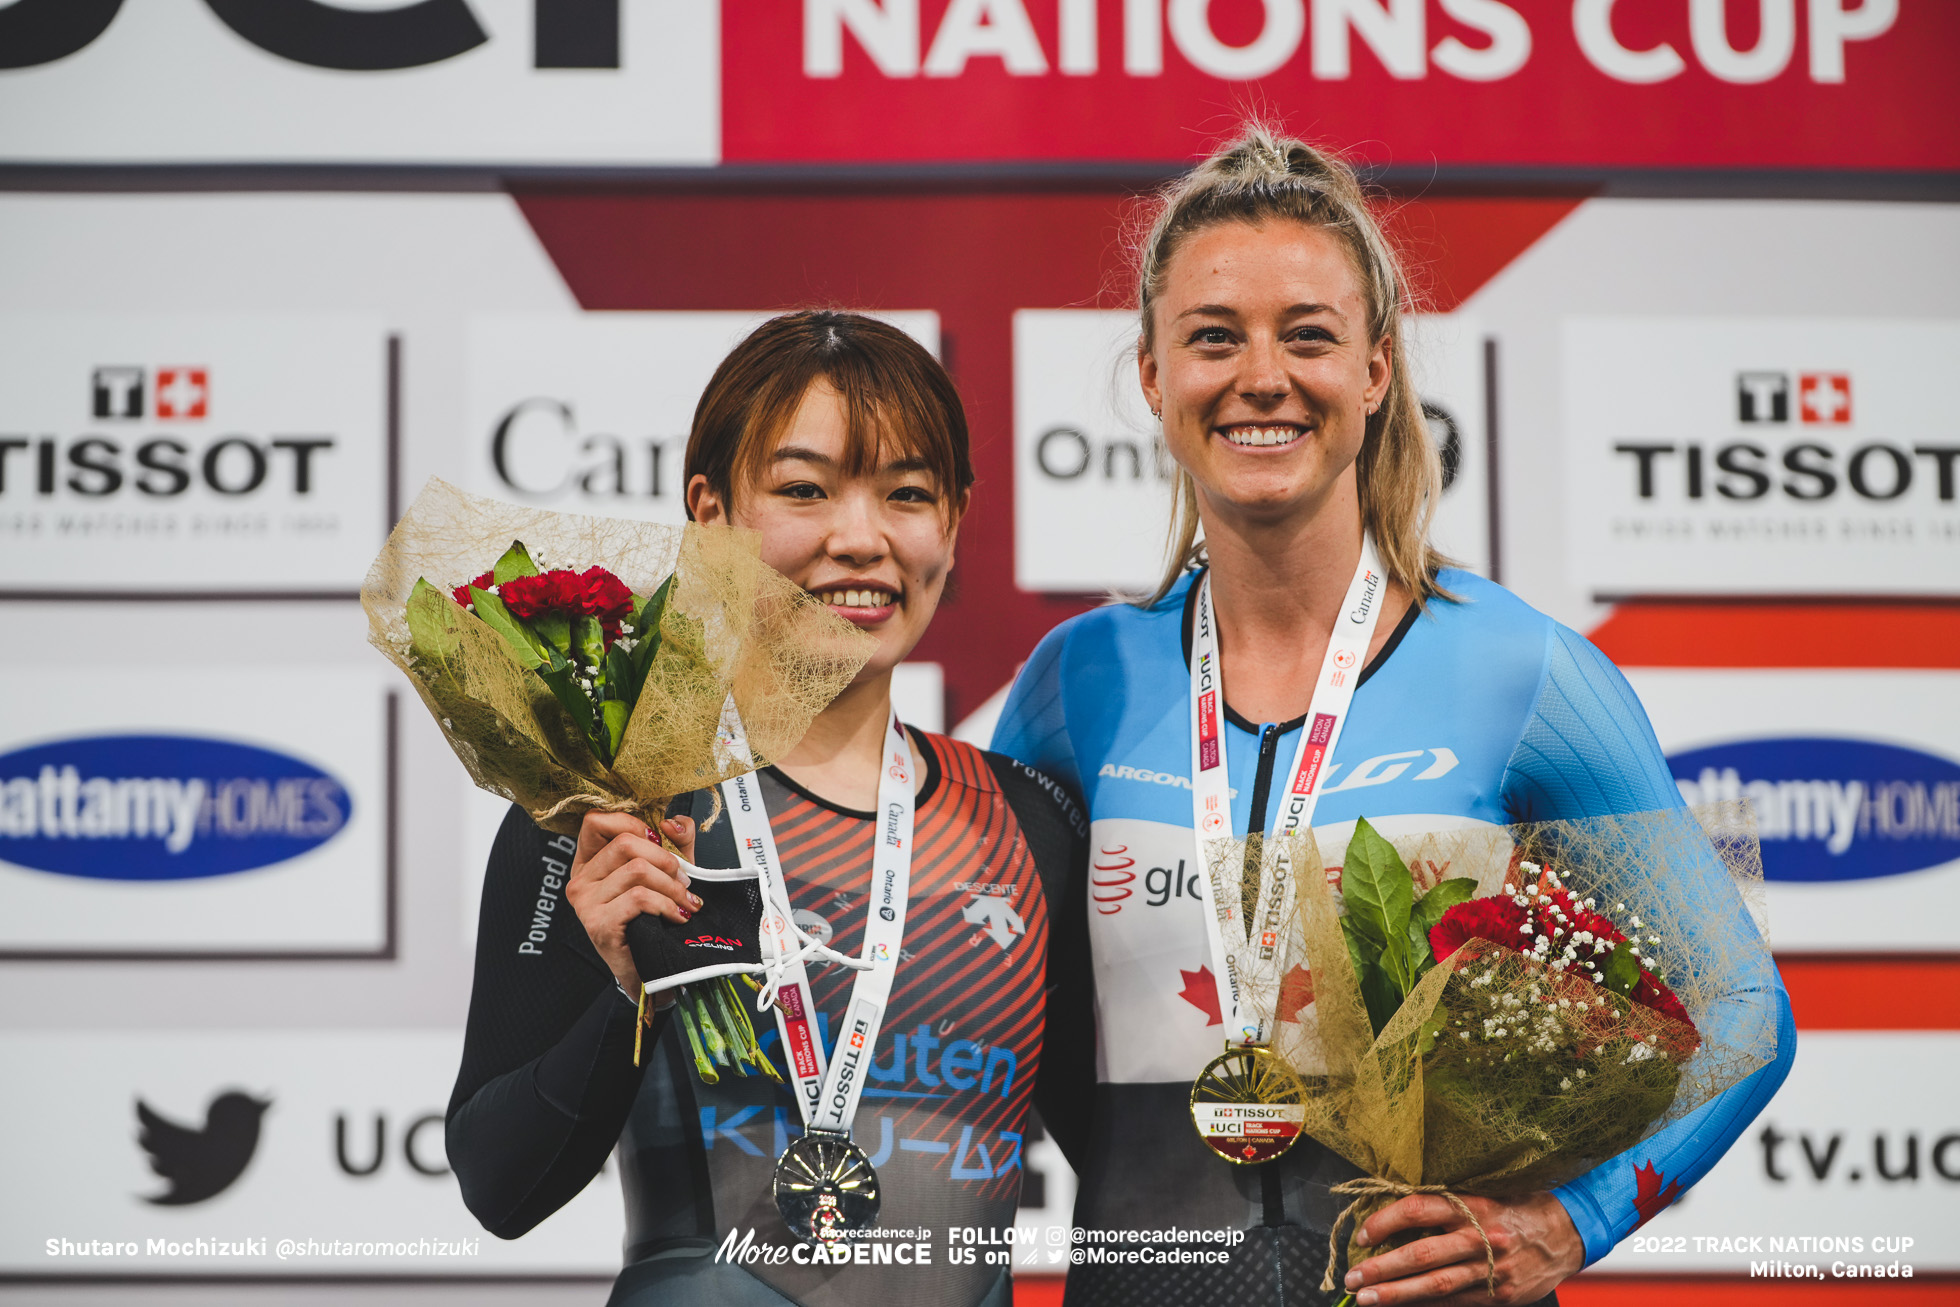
<point x="1501" y="920"/>
<point x="604" y="595"/>
<point x="462" y="592"/>
<point x="594" y="592"/>
<point x="1496" y="919"/>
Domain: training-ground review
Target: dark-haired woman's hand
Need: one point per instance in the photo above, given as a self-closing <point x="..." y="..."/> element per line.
<point x="621" y="872"/>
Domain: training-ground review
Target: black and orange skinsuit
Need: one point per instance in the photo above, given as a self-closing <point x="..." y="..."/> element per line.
<point x="991" y="1012"/>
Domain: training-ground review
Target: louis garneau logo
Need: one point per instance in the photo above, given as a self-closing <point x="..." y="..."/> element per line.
<point x="1378" y="770"/>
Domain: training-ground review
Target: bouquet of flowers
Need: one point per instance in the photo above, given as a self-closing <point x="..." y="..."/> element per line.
<point x="1496" y="1012"/>
<point x="608" y="684"/>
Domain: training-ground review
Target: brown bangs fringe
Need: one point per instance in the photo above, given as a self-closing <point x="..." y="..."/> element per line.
<point x="899" y="403"/>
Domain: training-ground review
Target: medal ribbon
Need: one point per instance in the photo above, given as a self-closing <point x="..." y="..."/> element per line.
<point x="828" y="1094"/>
<point x="1246" y="956"/>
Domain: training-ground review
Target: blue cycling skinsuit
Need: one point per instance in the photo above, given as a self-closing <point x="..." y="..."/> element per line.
<point x="1477" y="709"/>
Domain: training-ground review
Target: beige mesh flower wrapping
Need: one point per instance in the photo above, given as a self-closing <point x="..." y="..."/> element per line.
<point x="733" y="626"/>
<point x="1499" y="1076"/>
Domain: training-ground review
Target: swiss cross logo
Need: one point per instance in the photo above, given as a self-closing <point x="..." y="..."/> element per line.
<point x="1825" y="397"/>
<point x="183" y="392"/>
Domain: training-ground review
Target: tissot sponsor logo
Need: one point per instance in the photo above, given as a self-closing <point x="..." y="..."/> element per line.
<point x="1831" y="808"/>
<point x="97" y="465"/>
<point x="851" y="1052"/>
<point x="192" y="453"/>
<point x="162" y="807"/>
<point x="1799" y="470"/>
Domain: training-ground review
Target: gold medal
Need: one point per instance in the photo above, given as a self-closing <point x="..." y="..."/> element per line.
<point x="1248" y="1105"/>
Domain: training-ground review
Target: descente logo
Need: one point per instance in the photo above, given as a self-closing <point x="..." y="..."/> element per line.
<point x="162" y="807"/>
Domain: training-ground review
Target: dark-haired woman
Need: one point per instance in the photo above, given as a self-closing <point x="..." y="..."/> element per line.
<point x="844" y="444"/>
<point x="1315" y="650"/>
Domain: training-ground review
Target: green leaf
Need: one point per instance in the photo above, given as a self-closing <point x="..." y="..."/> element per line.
<point x="1359" y="949"/>
<point x="555" y="630"/>
<point x="646" y="629"/>
<point x="589" y="640"/>
<point x="620" y="681"/>
<point x="1421" y="957"/>
<point x="1380" y="993"/>
<point x="491" y="611"/>
<point x="1447" y="894"/>
<point x="560" y="677"/>
<point x="614" y="714"/>
<point x="702" y="1066"/>
<point x="1377" y="889"/>
<point x="431" y="622"/>
<point x="1622" y="972"/>
<point x="516" y="562"/>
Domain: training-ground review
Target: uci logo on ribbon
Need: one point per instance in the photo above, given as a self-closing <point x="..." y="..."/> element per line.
<point x="162" y="807"/>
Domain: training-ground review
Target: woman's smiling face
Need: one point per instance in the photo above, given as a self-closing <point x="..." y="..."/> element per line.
<point x="1262" y="366"/>
<point x="876" y="547"/>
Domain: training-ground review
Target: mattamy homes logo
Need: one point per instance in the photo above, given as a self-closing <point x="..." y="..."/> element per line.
<point x="1833" y="809"/>
<point x="162" y="807"/>
<point x="191" y="454"/>
<point x="1739" y="456"/>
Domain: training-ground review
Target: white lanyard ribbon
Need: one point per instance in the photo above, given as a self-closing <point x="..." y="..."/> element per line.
<point x="1245" y="957"/>
<point x="828" y="1090"/>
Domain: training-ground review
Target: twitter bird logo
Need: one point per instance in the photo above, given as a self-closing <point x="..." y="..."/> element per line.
<point x="201" y="1164"/>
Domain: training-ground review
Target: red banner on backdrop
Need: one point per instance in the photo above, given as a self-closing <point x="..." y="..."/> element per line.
<point x="1787" y="84"/>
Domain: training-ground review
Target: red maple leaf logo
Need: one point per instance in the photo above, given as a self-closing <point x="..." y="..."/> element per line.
<point x="1201" y="992"/>
<point x="1295" y="992"/>
<point x="1649" y="1198"/>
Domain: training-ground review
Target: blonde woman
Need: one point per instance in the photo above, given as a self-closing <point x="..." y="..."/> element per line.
<point x="1271" y="348"/>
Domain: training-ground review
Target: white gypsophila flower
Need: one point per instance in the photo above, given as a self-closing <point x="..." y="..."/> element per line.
<point x="1565" y="1083"/>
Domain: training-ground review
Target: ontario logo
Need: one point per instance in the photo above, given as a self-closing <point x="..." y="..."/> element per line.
<point x="1833" y="809"/>
<point x="162" y="807"/>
